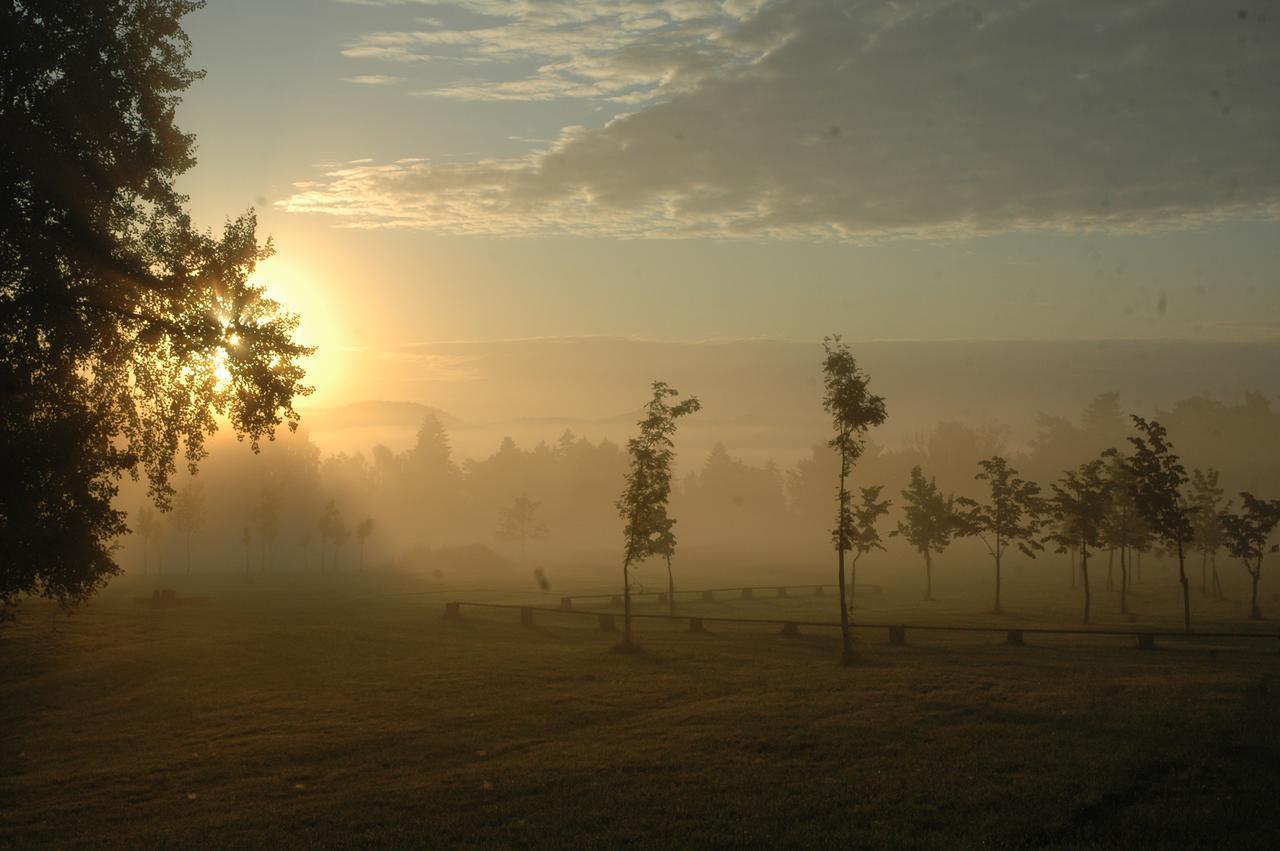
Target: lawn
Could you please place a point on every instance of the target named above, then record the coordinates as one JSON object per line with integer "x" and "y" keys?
{"x": 354, "y": 716}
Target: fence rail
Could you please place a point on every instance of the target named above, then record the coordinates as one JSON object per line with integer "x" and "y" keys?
{"x": 707, "y": 595}
{"x": 897, "y": 631}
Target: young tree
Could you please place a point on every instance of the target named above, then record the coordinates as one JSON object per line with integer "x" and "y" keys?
{"x": 865, "y": 536}
{"x": 267, "y": 519}
{"x": 363, "y": 530}
{"x": 1159, "y": 479}
{"x": 518, "y": 522}
{"x": 1079, "y": 503}
{"x": 1122, "y": 525}
{"x": 928, "y": 521}
{"x": 328, "y": 525}
{"x": 341, "y": 534}
{"x": 148, "y": 527}
{"x": 643, "y": 504}
{"x": 125, "y": 331}
{"x": 1207, "y": 498}
{"x": 853, "y": 409}
{"x": 1011, "y": 518}
{"x": 1246, "y": 536}
{"x": 188, "y": 514}
{"x": 664, "y": 545}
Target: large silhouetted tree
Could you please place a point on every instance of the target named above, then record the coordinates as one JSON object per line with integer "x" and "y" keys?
{"x": 1079, "y": 503}
{"x": 1247, "y": 534}
{"x": 124, "y": 331}
{"x": 1012, "y": 516}
{"x": 853, "y": 409}
{"x": 1159, "y": 481}
{"x": 928, "y": 521}
{"x": 643, "y": 504}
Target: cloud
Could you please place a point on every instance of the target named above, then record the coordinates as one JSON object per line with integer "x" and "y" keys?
{"x": 803, "y": 118}
{"x": 373, "y": 80}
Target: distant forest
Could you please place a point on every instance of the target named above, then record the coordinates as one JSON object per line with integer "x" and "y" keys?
{"x": 288, "y": 508}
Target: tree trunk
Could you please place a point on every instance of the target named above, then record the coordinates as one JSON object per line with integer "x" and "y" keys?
{"x": 1111, "y": 566}
{"x": 1124, "y": 584}
{"x": 997, "y": 609}
{"x": 1084, "y": 576}
{"x": 1072, "y": 553}
{"x": 1255, "y": 613}
{"x": 188, "y": 554}
{"x": 671, "y": 589}
{"x": 928, "y": 575}
{"x": 846, "y": 646}
{"x": 626, "y": 603}
{"x": 1186, "y": 589}
{"x": 1204, "y": 572}
{"x": 1217, "y": 583}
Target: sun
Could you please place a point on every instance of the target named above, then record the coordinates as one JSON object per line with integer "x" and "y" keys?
{"x": 309, "y": 293}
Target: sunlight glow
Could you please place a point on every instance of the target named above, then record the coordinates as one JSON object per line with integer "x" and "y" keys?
{"x": 306, "y": 291}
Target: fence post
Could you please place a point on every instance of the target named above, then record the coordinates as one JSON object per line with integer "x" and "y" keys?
{"x": 1014, "y": 638}
{"x": 1146, "y": 641}
{"x": 452, "y": 612}
{"x": 606, "y": 623}
{"x": 790, "y": 628}
{"x": 708, "y": 596}
{"x": 897, "y": 635}
{"x": 566, "y": 602}
{"x": 526, "y": 616}
{"x": 695, "y": 625}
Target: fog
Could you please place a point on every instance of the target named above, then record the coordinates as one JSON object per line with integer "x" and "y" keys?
{"x": 639, "y": 423}
{"x": 753, "y": 496}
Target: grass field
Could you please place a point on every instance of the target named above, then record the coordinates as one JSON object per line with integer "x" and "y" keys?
{"x": 348, "y": 715}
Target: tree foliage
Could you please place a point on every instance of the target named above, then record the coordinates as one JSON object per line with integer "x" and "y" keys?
{"x": 1012, "y": 516}
{"x": 647, "y": 529}
{"x": 124, "y": 331}
{"x": 1159, "y": 483}
{"x": 853, "y": 409}
{"x": 928, "y": 521}
{"x": 519, "y": 523}
{"x": 1079, "y": 503}
{"x": 1247, "y": 534}
{"x": 1206, "y": 525}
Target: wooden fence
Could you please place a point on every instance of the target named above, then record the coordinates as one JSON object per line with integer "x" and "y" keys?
{"x": 897, "y": 632}
{"x": 708, "y": 595}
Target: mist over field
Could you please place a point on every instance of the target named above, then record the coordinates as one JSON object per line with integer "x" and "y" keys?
{"x": 548, "y": 420}
{"x": 639, "y": 424}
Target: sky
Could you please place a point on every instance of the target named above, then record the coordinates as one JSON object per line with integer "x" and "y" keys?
{"x": 691, "y": 171}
